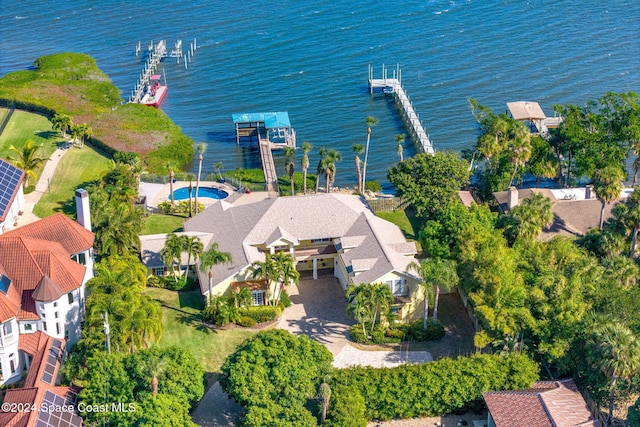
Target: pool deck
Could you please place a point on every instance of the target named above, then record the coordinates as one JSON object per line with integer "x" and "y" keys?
{"x": 158, "y": 193}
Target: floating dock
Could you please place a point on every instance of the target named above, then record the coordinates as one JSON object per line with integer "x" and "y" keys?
{"x": 393, "y": 86}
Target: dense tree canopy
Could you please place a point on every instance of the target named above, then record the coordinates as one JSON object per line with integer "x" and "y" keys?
{"x": 429, "y": 182}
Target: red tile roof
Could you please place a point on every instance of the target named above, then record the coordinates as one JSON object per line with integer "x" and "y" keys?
{"x": 9, "y": 303}
{"x": 31, "y": 343}
{"x": 58, "y": 228}
{"x": 546, "y": 404}
{"x": 28, "y": 309}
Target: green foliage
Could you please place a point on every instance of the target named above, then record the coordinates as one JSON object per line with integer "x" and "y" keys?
{"x": 276, "y": 372}
{"x": 347, "y": 408}
{"x": 429, "y": 182}
{"x": 261, "y": 313}
{"x": 222, "y": 310}
{"x": 246, "y": 322}
{"x": 163, "y": 410}
{"x": 434, "y": 388}
{"x": 284, "y": 299}
{"x": 415, "y": 331}
{"x": 166, "y": 282}
{"x": 633, "y": 416}
{"x": 526, "y": 221}
{"x": 373, "y": 186}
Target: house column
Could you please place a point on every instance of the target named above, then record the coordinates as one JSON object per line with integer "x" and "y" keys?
{"x": 272, "y": 250}
{"x": 26, "y": 361}
{"x": 291, "y": 249}
{"x": 315, "y": 268}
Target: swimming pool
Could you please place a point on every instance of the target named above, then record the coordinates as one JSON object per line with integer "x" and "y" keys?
{"x": 212, "y": 193}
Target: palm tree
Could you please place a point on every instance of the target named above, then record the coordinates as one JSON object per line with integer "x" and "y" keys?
{"x": 304, "y": 163}
{"x": 219, "y": 168}
{"x": 193, "y": 246}
{"x": 530, "y": 217}
{"x": 400, "y": 140}
{"x": 142, "y": 325}
{"x": 333, "y": 156}
{"x": 320, "y": 168}
{"x": 26, "y": 160}
{"x": 61, "y": 122}
{"x": 359, "y": 304}
{"x": 371, "y": 121}
{"x": 615, "y": 350}
{"x": 212, "y": 257}
{"x": 121, "y": 236}
{"x": 519, "y": 145}
{"x": 171, "y": 252}
{"x": 357, "y": 150}
{"x": 381, "y": 299}
{"x": 436, "y": 273}
{"x": 286, "y": 273}
{"x": 201, "y": 149}
{"x": 155, "y": 366}
{"x": 82, "y": 131}
{"x": 290, "y": 166}
{"x": 170, "y": 166}
{"x": 607, "y": 185}
{"x": 632, "y": 217}
{"x": 243, "y": 297}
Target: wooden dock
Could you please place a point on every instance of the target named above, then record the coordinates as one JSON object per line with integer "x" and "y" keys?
{"x": 268, "y": 167}
{"x": 156, "y": 53}
{"x": 393, "y": 86}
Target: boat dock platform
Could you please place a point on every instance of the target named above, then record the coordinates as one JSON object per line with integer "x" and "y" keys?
{"x": 393, "y": 86}
{"x": 156, "y": 53}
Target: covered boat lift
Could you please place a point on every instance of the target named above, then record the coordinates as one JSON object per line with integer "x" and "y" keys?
{"x": 274, "y": 127}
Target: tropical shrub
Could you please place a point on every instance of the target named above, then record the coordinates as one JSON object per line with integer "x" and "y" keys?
{"x": 261, "y": 313}
{"x": 373, "y": 186}
{"x": 415, "y": 331}
{"x": 246, "y": 321}
{"x": 347, "y": 408}
{"x": 284, "y": 299}
{"x": 434, "y": 388}
{"x": 222, "y": 311}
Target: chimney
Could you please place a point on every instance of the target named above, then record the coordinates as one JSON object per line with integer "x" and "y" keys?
{"x": 82, "y": 208}
{"x": 512, "y": 197}
{"x": 588, "y": 192}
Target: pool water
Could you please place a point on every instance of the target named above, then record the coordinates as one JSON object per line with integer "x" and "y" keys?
{"x": 212, "y": 193}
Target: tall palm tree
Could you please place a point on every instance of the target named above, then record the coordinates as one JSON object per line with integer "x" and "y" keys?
{"x": 320, "y": 168}
{"x": 27, "y": 160}
{"x": 81, "y": 131}
{"x": 371, "y": 121}
{"x": 194, "y": 247}
{"x": 359, "y": 304}
{"x": 267, "y": 270}
{"x": 201, "y": 149}
{"x": 519, "y": 145}
{"x": 290, "y": 166}
{"x": 155, "y": 366}
{"x": 142, "y": 325}
{"x": 436, "y": 273}
{"x": 286, "y": 273}
{"x": 615, "y": 350}
{"x": 400, "y": 140}
{"x": 170, "y": 166}
{"x": 219, "y": 168}
{"x": 304, "y": 163}
{"x": 212, "y": 257}
{"x": 607, "y": 185}
{"x": 171, "y": 252}
{"x": 333, "y": 156}
{"x": 243, "y": 297}
{"x": 632, "y": 217}
{"x": 381, "y": 299}
{"x": 530, "y": 217}
{"x": 61, "y": 122}
{"x": 121, "y": 236}
{"x": 357, "y": 150}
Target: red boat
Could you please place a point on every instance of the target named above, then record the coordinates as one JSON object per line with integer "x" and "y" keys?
{"x": 155, "y": 93}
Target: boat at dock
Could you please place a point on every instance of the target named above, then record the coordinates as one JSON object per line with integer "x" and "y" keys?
{"x": 155, "y": 92}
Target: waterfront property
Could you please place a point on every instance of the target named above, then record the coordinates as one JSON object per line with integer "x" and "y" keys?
{"x": 11, "y": 194}
{"x": 335, "y": 233}
{"x": 44, "y": 267}
{"x": 532, "y": 115}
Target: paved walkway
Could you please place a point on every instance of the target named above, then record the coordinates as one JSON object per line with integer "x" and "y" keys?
{"x": 351, "y": 356}
{"x": 31, "y": 199}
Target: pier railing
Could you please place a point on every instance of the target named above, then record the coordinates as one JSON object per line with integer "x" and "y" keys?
{"x": 408, "y": 113}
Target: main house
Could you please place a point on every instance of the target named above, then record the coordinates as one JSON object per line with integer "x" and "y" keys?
{"x": 43, "y": 270}
{"x": 325, "y": 233}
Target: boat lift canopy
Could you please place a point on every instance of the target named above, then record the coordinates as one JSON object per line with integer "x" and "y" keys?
{"x": 269, "y": 120}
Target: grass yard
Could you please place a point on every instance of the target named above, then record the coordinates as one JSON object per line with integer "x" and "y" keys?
{"x": 183, "y": 326}
{"x": 410, "y": 225}
{"x": 24, "y": 126}
{"x": 78, "y": 167}
{"x": 157, "y": 224}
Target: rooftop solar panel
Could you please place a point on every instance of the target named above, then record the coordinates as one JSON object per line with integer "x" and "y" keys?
{"x": 9, "y": 181}
{"x": 5, "y": 282}
{"x": 51, "y": 363}
{"x": 57, "y": 418}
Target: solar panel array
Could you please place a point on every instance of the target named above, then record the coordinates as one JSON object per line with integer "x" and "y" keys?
{"x": 65, "y": 418}
{"x": 5, "y": 282}
{"x": 52, "y": 360}
{"x": 9, "y": 179}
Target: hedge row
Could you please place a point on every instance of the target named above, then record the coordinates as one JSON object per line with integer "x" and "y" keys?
{"x": 401, "y": 332}
{"x": 261, "y": 313}
{"x": 435, "y": 388}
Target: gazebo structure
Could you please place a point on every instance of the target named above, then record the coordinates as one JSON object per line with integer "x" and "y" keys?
{"x": 274, "y": 127}
{"x": 532, "y": 114}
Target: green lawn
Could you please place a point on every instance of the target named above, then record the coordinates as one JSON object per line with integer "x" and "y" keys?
{"x": 183, "y": 326}
{"x": 78, "y": 167}
{"x": 157, "y": 224}
{"x": 410, "y": 225}
{"x": 24, "y": 126}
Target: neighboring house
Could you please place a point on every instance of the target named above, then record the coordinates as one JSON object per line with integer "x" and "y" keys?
{"x": 11, "y": 195}
{"x": 324, "y": 232}
{"x": 43, "y": 270}
{"x": 545, "y": 404}
{"x": 575, "y": 210}
{"x": 53, "y": 403}
{"x": 151, "y": 245}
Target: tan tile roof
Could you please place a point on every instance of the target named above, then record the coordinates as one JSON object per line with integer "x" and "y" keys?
{"x": 58, "y": 228}
{"x": 525, "y": 110}
{"x": 546, "y": 404}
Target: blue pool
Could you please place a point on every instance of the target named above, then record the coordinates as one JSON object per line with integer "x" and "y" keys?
{"x": 212, "y": 193}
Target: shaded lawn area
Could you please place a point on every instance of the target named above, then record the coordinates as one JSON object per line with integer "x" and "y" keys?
{"x": 77, "y": 168}
{"x": 183, "y": 326}
{"x": 162, "y": 224}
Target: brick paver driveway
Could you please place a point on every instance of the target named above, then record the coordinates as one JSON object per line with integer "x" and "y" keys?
{"x": 319, "y": 310}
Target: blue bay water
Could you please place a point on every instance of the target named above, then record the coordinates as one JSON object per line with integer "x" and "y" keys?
{"x": 310, "y": 59}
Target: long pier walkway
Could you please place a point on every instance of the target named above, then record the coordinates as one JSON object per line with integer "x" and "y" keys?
{"x": 268, "y": 167}
{"x": 408, "y": 113}
{"x": 156, "y": 53}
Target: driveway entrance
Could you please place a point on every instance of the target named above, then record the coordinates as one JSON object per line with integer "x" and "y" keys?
{"x": 319, "y": 310}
